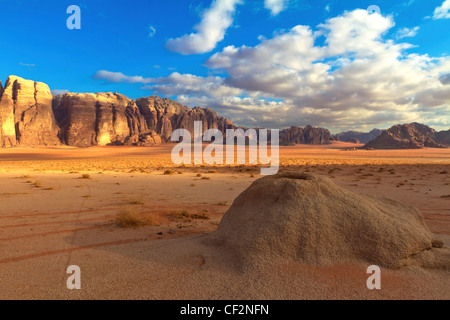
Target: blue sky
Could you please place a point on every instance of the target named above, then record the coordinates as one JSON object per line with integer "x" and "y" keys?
{"x": 271, "y": 63}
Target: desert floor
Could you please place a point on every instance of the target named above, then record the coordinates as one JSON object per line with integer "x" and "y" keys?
{"x": 58, "y": 207}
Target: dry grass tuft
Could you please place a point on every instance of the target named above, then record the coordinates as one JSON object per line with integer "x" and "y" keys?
{"x": 130, "y": 218}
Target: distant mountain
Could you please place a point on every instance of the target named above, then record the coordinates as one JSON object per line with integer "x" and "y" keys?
{"x": 358, "y": 137}
{"x": 306, "y": 135}
{"x": 408, "y": 136}
{"x": 443, "y": 137}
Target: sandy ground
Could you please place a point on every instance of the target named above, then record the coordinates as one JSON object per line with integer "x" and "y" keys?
{"x": 51, "y": 217}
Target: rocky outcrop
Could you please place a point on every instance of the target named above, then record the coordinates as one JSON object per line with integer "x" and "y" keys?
{"x": 165, "y": 115}
{"x": 407, "y": 136}
{"x": 358, "y": 137}
{"x": 26, "y": 117}
{"x": 307, "y": 135}
{"x": 101, "y": 119}
{"x": 443, "y": 137}
{"x": 299, "y": 217}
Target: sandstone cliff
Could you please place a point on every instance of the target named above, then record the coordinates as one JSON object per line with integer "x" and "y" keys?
{"x": 26, "y": 117}
{"x": 307, "y": 135}
{"x": 165, "y": 115}
{"x": 407, "y": 136}
{"x": 88, "y": 119}
{"x": 355, "y": 136}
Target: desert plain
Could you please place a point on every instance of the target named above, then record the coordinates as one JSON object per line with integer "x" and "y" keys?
{"x": 134, "y": 223}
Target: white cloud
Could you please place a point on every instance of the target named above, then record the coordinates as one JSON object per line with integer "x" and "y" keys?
{"x": 210, "y": 31}
{"x": 30, "y": 65}
{"x": 151, "y": 31}
{"x": 355, "y": 78}
{"x": 188, "y": 84}
{"x": 407, "y": 32}
{"x": 443, "y": 11}
{"x": 120, "y": 77}
{"x": 275, "y": 6}
{"x": 57, "y": 92}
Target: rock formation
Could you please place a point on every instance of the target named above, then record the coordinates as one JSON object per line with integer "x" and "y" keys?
{"x": 443, "y": 137}
{"x": 407, "y": 136}
{"x": 165, "y": 115}
{"x": 362, "y": 137}
{"x": 26, "y": 117}
{"x": 101, "y": 119}
{"x": 307, "y": 135}
{"x": 306, "y": 218}
{"x": 31, "y": 116}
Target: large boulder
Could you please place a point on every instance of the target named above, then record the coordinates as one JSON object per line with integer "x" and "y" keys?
{"x": 309, "y": 219}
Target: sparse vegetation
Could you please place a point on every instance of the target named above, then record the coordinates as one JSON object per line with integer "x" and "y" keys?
{"x": 130, "y": 218}
{"x": 85, "y": 176}
{"x": 184, "y": 214}
{"x": 169, "y": 172}
{"x": 137, "y": 201}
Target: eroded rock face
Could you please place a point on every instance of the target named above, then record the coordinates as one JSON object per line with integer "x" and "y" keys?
{"x": 307, "y": 135}
{"x": 101, "y": 119}
{"x": 361, "y": 137}
{"x": 26, "y": 116}
{"x": 407, "y": 136}
{"x": 165, "y": 115}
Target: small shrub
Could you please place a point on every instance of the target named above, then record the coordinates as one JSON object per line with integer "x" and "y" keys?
{"x": 130, "y": 218}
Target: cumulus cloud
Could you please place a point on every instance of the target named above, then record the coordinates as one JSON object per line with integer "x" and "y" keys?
{"x": 443, "y": 11}
{"x": 407, "y": 32}
{"x": 275, "y": 6}
{"x": 344, "y": 74}
{"x": 120, "y": 77}
{"x": 210, "y": 31}
{"x": 356, "y": 79}
{"x": 191, "y": 85}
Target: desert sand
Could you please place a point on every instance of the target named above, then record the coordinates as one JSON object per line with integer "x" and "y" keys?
{"x": 59, "y": 207}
